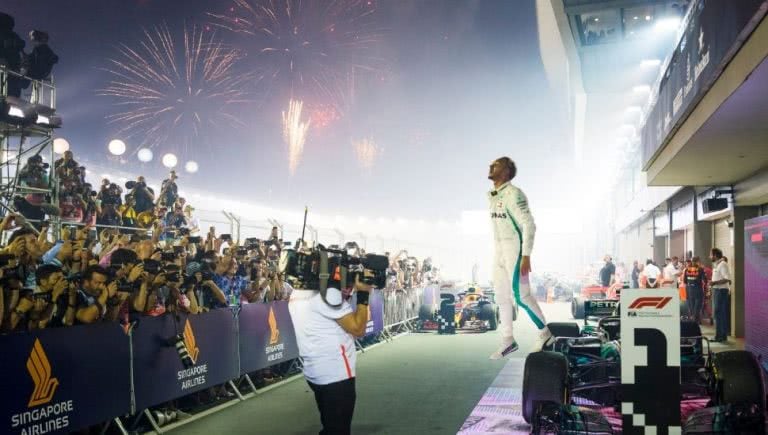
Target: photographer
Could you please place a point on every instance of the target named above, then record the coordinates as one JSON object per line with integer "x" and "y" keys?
{"x": 169, "y": 191}
{"x": 326, "y": 339}
{"x": 34, "y": 174}
{"x": 142, "y": 194}
{"x": 207, "y": 294}
{"x": 96, "y": 299}
{"x": 47, "y": 305}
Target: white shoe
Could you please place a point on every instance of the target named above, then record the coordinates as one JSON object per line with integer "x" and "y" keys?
{"x": 544, "y": 336}
{"x": 506, "y": 348}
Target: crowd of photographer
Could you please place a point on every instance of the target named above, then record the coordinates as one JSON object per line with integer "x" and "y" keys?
{"x": 120, "y": 277}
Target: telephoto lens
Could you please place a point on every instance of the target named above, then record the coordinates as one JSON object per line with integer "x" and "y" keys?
{"x": 181, "y": 349}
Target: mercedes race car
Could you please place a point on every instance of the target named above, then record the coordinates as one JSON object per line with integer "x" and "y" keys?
{"x": 574, "y": 385}
{"x": 594, "y": 294}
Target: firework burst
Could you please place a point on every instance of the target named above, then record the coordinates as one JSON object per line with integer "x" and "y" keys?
{"x": 294, "y": 133}
{"x": 367, "y": 152}
{"x": 309, "y": 49}
{"x": 177, "y": 91}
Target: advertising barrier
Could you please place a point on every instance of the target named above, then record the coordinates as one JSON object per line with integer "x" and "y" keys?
{"x": 60, "y": 378}
{"x": 266, "y": 336}
{"x": 56, "y": 380}
{"x": 160, "y": 376}
{"x": 756, "y": 288}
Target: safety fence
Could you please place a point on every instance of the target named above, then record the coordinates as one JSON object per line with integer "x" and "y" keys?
{"x": 66, "y": 379}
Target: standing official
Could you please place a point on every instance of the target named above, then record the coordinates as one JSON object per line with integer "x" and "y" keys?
{"x": 513, "y": 233}
{"x": 721, "y": 295}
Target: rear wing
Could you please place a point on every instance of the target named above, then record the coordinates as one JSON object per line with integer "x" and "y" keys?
{"x": 599, "y": 308}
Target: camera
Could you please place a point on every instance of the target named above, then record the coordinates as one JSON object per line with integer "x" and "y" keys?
{"x": 177, "y": 342}
{"x": 152, "y": 266}
{"x": 306, "y": 267}
{"x": 168, "y": 256}
{"x": 75, "y": 278}
{"x": 227, "y": 237}
{"x": 5, "y": 259}
{"x": 130, "y": 185}
{"x": 195, "y": 239}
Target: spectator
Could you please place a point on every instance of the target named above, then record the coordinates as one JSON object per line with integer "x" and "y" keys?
{"x": 608, "y": 272}
{"x": 721, "y": 295}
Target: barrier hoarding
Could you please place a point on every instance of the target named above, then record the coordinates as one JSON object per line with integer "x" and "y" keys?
{"x": 650, "y": 360}
{"x": 756, "y": 288}
{"x": 160, "y": 376}
{"x": 56, "y": 380}
{"x": 266, "y": 336}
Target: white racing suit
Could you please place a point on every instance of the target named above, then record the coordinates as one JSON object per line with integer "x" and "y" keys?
{"x": 513, "y": 234}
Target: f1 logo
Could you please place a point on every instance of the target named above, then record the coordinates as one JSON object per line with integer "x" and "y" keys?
{"x": 650, "y": 302}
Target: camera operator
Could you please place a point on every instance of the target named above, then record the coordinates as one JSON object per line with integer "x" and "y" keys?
{"x": 11, "y": 51}
{"x": 142, "y": 194}
{"x": 326, "y": 339}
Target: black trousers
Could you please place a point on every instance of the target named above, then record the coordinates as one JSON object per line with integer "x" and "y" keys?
{"x": 721, "y": 300}
{"x": 695, "y": 297}
{"x": 336, "y": 403}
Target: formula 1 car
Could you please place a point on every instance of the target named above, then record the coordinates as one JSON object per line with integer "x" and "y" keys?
{"x": 471, "y": 309}
{"x": 574, "y": 384}
{"x": 477, "y": 310}
{"x": 594, "y": 293}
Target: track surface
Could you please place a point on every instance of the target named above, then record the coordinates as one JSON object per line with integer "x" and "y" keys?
{"x": 418, "y": 384}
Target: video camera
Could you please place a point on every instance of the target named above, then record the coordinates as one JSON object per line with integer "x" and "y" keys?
{"x": 333, "y": 266}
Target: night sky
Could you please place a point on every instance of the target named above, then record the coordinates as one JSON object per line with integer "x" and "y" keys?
{"x": 457, "y": 84}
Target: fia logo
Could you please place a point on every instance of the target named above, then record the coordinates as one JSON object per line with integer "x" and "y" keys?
{"x": 39, "y": 369}
{"x": 274, "y": 333}
{"x": 190, "y": 342}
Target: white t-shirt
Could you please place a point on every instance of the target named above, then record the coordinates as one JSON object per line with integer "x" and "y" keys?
{"x": 651, "y": 271}
{"x": 670, "y": 272}
{"x": 719, "y": 273}
{"x": 328, "y": 352}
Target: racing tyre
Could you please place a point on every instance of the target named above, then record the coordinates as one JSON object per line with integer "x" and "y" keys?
{"x": 544, "y": 380}
{"x": 488, "y": 312}
{"x": 426, "y": 313}
{"x": 738, "y": 379}
{"x": 577, "y": 308}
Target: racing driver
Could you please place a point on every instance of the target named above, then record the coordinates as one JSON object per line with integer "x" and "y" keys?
{"x": 513, "y": 233}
